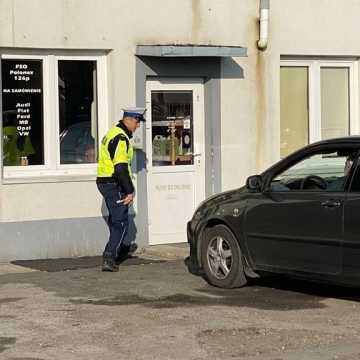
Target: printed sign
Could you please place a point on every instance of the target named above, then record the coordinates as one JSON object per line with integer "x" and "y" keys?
{"x": 187, "y": 124}
{"x": 22, "y": 96}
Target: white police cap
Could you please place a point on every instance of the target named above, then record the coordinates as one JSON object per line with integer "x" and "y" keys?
{"x": 135, "y": 112}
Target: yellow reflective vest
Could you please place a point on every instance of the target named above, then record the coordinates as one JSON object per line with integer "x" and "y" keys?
{"x": 110, "y": 156}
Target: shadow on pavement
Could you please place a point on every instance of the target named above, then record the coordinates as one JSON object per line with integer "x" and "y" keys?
{"x": 66, "y": 264}
{"x": 169, "y": 285}
{"x": 5, "y": 342}
{"x": 307, "y": 288}
{"x": 230, "y": 298}
{"x": 9, "y": 300}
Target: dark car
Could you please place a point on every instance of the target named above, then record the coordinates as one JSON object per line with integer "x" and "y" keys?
{"x": 301, "y": 217}
{"x": 77, "y": 145}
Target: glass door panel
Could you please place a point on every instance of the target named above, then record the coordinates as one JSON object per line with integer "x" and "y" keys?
{"x": 172, "y": 128}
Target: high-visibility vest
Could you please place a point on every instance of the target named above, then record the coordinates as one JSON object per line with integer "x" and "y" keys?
{"x": 122, "y": 154}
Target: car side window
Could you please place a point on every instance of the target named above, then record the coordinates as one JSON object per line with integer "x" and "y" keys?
{"x": 319, "y": 172}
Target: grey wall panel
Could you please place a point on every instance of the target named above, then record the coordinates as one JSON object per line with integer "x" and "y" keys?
{"x": 54, "y": 238}
{"x": 212, "y": 136}
{"x": 264, "y": 4}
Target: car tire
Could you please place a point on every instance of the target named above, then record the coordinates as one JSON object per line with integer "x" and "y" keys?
{"x": 221, "y": 258}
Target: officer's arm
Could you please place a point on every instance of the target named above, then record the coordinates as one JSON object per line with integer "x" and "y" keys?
{"x": 121, "y": 166}
{"x": 122, "y": 176}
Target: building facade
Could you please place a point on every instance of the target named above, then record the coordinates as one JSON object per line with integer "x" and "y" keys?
{"x": 219, "y": 108}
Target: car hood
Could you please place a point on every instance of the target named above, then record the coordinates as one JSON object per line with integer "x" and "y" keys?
{"x": 221, "y": 197}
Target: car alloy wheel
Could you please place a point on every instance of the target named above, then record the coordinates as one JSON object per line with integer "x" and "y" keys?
{"x": 219, "y": 257}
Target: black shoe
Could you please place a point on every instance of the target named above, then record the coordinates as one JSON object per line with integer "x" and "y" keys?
{"x": 125, "y": 252}
{"x": 109, "y": 265}
{"x": 132, "y": 248}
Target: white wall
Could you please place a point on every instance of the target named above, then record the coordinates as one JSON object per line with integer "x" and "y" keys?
{"x": 250, "y": 114}
{"x": 250, "y": 107}
{"x": 321, "y": 28}
{"x": 118, "y": 26}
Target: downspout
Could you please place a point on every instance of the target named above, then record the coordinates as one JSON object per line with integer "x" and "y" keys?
{"x": 264, "y": 24}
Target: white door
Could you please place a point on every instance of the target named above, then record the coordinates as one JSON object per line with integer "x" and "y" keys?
{"x": 175, "y": 156}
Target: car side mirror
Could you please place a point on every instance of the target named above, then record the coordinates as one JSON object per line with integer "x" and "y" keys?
{"x": 254, "y": 183}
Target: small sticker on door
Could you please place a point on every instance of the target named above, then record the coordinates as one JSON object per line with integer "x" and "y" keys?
{"x": 187, "y": 124}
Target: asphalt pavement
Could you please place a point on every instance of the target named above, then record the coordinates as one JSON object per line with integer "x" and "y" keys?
{"x": 155, "y": 309}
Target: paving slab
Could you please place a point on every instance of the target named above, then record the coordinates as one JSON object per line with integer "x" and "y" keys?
{"x": 167, "y": 251}
{"x": 8, "y": 268}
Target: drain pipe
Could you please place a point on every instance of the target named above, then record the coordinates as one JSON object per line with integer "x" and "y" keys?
{"x": 264, "y": 24}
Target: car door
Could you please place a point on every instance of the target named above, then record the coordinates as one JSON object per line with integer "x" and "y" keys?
{"x": 296, "y": 225}
{"x": 351, "y": 246}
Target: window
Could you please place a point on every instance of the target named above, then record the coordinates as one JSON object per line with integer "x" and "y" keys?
{"x": 77, "y": 111}
{"x": 172, "y": 128}
{"x": 23, "y": 115}
{"x": 294, "y": 109}
{"x": 54, "y": 108}
{"x": 316, "y": 102}
{"x": 325, "y": 171}
{"x": 335, "y": 104}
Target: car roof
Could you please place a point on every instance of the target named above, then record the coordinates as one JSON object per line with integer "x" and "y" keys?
{"x": 342, "y": 140}
{"x": 346, "y": 140}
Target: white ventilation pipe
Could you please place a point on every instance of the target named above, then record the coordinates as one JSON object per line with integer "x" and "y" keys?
{"x": 264, "y": 24}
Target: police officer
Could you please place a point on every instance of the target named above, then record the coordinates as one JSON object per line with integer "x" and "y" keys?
{"x": 114, "y": 182}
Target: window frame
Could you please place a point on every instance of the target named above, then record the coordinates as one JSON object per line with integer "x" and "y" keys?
{"x": 314, "y": 92}
{"x": 52, "y": 167}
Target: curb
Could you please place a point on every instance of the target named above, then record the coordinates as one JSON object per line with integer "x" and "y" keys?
{"x": 165, "y": 252}
{"x": 8, "y": 268}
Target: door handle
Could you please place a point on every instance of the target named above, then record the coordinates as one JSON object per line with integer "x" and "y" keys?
{"x": 331, "y": 203}
{"x": 196, "y": 155}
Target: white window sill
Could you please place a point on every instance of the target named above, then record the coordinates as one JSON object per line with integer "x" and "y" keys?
{"x": 48, "y": 177}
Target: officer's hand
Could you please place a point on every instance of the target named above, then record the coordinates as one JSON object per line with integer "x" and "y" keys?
{"x": 128, "y": 199}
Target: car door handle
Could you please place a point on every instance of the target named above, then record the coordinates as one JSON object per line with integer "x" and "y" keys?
{"x": 331, "y": 203}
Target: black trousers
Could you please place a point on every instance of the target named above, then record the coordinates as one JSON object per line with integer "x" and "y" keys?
{"x": 118, "y": 218}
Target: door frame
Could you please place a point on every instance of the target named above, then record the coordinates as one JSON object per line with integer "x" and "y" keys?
{"x": 196, "y": 85}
